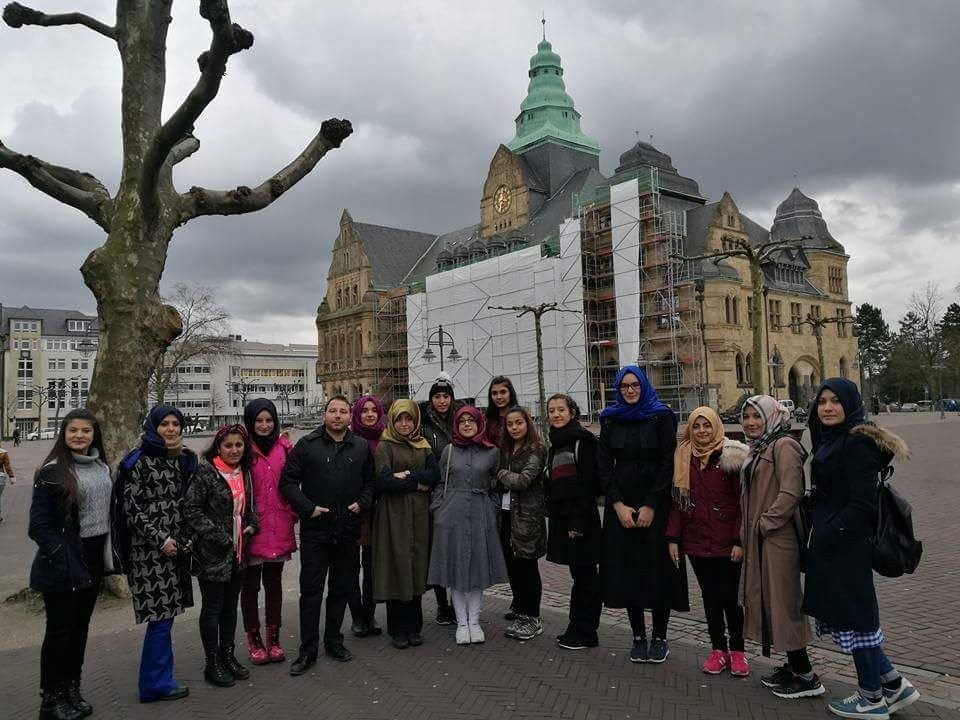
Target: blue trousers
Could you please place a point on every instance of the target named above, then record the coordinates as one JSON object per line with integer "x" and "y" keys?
{"x": 873, "y": 668}
{"x": 156, "y": 661}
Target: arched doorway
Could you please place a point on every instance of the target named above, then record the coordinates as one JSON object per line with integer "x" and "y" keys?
{"x": 803, "y": 380}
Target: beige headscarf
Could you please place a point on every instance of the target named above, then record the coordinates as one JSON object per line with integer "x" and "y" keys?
{"x": 415, "y": 439}
{"x": 689, "y": 448}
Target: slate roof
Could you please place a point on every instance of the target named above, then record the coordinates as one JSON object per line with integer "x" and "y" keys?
{"x": 427, "y": 263}
{"x": 53, "y": 322}
{"x": 392, "y": 251}
{"x": 799, "y": 216}
{"x": 644, "y": 154}
{"x": 695, "y": 243}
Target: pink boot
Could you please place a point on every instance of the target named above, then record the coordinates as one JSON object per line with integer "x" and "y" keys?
{"x": 738, "y": 664}
{"x": 258, "y": 653}
{"x": 274, "y": 650}
{"x": 716, "y": 663}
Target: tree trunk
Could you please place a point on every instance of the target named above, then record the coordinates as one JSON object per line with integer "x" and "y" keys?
{"x": 542, "y": 419}
{"x": 759, "y": 313}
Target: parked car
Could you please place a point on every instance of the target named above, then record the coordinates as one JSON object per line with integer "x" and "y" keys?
{"x": 951, "y": 405}
{"x": 48, "y": 434}
{"x": 925, "y": 405}
{"x": 789, "y": 405}
{"x": 909, "y": 407}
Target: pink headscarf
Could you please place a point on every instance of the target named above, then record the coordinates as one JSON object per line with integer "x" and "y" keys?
{"x": 480, "y": 438}
{"x": 370, "y": 433}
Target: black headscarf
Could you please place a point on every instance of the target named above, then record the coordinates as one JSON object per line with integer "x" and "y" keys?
{"x": 822, "y": 437}
{"x": 150, "y": 441}
{"x": 250, "y": 412}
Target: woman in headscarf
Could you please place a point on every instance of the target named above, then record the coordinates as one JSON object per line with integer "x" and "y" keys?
{"x": 367, "y": 419}
{"x": 406, "y": 472}
{"x": 219, "y": 511}
{"x": 156, "y": 476}
{"x": 849, "y": 454}
{"x": 704, "y": 526}
{"x": 466, "y": 555}
{"x": 771, "y": 594}
{"x": 275, "y": 543}
{"x": 573, "y": 535}
{"x": 638, "y": 435}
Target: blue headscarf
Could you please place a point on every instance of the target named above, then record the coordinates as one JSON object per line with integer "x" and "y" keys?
{"x": 150, "y": 441}
{"x": 822, "y": 438}
{"x": 646, "y": 407}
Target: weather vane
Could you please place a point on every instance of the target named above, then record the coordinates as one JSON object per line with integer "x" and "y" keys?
{"x": 543, "y": 21}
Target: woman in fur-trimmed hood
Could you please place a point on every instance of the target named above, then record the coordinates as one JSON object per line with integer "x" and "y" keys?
{"x": 704, "y": 525}
{"x": 848, "y": 457}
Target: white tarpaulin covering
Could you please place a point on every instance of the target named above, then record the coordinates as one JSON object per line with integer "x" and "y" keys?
{"x": 625, "y": 236}
{"x": 497, "y": 342}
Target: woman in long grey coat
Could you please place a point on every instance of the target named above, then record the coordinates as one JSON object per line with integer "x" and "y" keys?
{"x": 466, "y": 555}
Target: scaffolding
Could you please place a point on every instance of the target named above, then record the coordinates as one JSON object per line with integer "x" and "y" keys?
{"x": 390, "y": 336}
{"x": 670, "y": 345}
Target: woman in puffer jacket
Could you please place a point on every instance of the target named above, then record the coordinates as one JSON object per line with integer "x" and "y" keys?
{"x": 704, "y": 525}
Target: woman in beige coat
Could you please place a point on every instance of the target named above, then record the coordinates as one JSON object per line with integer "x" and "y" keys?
{"x": 771, "y": 588}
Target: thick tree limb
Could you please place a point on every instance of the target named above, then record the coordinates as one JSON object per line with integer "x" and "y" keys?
{"x": 182, "y": 150}
{"x": 17, "y": 15}
{"x": 200, "y": 201}
{"x": 228, "y": 38}
{"x": 71, "y": 187}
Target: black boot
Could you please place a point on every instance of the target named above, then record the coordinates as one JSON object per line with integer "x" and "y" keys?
{"x": 76, "y": 699}
{"x": 232, "y": 664}
{"x": 372, "y": 625}
{"x": 56, "y": 705}
{"x": 216, "y": 672}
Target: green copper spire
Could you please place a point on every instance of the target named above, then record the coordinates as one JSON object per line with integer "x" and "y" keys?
{"x": 548, "y": 114}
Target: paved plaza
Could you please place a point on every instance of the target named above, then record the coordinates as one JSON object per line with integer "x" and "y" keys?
{"x": 504, "y": 678}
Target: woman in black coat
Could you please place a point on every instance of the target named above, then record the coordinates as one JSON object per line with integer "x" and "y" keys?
{"x": 638, "y": 436}
{"x": 70, "y": 522}
{"x": 220, "y": 516}
{"x": 849, "y": 454}
{"x": 573, "y": 535}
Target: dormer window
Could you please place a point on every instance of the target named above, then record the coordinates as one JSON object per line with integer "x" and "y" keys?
{"x": 77, "y": 325}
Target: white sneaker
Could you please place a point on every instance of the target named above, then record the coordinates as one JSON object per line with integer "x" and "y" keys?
{"x": 476, "y": 634}
{"x": 464, "y": 636}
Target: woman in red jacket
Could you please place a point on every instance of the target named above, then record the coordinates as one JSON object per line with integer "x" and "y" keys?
{"x": 704, "y": 525}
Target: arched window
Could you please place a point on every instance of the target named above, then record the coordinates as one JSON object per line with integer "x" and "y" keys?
{"x": 844, "y": 370}
{"x": 740, "y": 370}
{"x": 748, "y": 369}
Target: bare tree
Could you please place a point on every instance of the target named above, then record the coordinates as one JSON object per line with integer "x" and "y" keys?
{"x": 756, "y": 257}
{"x": 140, "y": 218}
{"x": 204, "y": 335}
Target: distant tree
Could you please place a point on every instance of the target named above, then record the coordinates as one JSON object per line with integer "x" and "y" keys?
{"x": 875, "y": 341}
{"x": 140, "y": 217}
{"x": 950, "y": 339}
{"x": 205, "y": 334}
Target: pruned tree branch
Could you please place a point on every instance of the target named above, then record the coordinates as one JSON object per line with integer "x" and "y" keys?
{"x": 71, "y": 187}
{"x": 182, "y": 150}
{"x": 16, "y": 15}
{"x": 228, "y": 38}
{"x": 201, "y": 201}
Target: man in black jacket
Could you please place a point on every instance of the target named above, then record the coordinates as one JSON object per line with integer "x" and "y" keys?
{"x": 328, "y": 480}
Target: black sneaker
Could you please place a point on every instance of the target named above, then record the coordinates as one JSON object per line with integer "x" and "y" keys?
{"x": 779, "y": 676}
{"x": 639, "y": 653}
{"x": 574, "y": 641}
{"x": 659, "y": 650}
{"x": 337, "y": 651}
{"x": 446, "y": 616}
{"x": 797, "y": 687}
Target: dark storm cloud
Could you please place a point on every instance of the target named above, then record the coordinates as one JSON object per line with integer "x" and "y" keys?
{"x": 857, "y": 99}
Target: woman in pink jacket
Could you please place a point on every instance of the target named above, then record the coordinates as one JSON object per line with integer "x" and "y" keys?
{"x": 275, "y": 543}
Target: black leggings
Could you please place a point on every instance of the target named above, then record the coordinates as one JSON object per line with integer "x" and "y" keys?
{"x": 719, "y": 579}
{"x": 523, "y": 573}
{"x": 218, "y": 612}
{"x": 68, "y": 622}
{"x": 661, "y": 618}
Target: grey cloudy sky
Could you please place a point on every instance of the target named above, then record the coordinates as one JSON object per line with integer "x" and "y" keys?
{"x": 858, "y": 99}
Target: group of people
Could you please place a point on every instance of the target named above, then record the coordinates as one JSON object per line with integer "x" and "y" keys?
{"x": 393, "y": 502}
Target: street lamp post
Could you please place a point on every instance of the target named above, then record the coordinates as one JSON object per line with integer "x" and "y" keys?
{"x": 443, "y": 340}
{"x": 698, "y": 287}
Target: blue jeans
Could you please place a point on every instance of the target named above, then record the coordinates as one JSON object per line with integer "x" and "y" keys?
{"x": 873, "y": 669}
{"x": 156, "y": 661}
